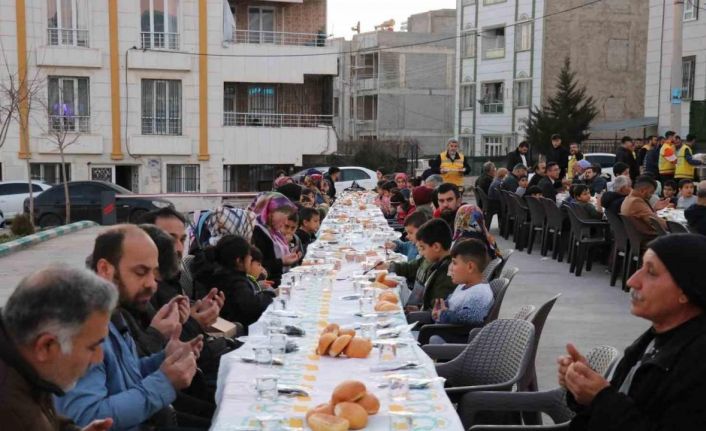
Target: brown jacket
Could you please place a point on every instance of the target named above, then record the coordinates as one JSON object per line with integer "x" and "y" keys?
{"x": 638, "y": 208}
{"x": 25, "y": 399}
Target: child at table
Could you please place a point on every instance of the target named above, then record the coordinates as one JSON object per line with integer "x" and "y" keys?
{"x": 411, "y": 225}
{"x": 669, "y": 191}
{"x": 696, "y": 214}
{"x": 309, "y": 223}
{"x": 582, "y": 199}
{"x": 686, "y": 194}
{"x": 256, "y": 272}
{"x": 470, "y": 303}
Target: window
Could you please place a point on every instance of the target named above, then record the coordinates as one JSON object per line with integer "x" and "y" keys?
{"x": 261, "y": 25}
{"x": 159, "y": 24}
{"x": 183, "y": 179}
{"x": 262, "y": 98}
{"x": 688, "y": 68}
{"x": 367, "y": 66}
{"x": 15, "y": 189}
{"x": 691, "y": 10}
{"x": 492, "y": 97}
{"x": 523, "y": 93}
{"x": 161, "y": 107}
{"x": 494, "y": 43}
{"x": 353, "y": 175}
{"x": 469, "y": 45}
{"x": 490, "y": 2}
{"x": 50, "y": 173}
{"x": 468, "y": 97}
{"x": 523, "y": 36}
{"x": 69, "y": 104}
{"x": 247, "y": 178}
{"x": 66, "y": 22}
{"x": 493, "y": 146}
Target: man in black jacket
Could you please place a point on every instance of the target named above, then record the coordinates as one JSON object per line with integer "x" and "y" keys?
{"x": 519, "y": 156}
{"x": 512, "y": 180}
{"x": 659, "y": 382}
{"x": 331, "y": 177}
{"x": 558, "y": 154}
{"x": 486, "y": 178}
{"x": 626, "y": 154}
{"x": 549, "y": 183}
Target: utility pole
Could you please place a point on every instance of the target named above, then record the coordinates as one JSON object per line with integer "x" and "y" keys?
{"x": 676, "y": 78}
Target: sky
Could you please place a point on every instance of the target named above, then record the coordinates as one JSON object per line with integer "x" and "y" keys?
{"x": 344, "y": 14}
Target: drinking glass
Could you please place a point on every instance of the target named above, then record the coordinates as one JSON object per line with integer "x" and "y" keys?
{"x": 263, "y": 355}
{"x": 367, "y": 330}
{"x": 387, "y": 353}
{"x": 266, "y": 387}
{"x": 366, "y": 305}
{"x": 398, "y": 388}
{"x": 278, "y": 345}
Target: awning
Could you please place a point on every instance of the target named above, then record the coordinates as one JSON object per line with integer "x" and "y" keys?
{"x": 635, "y": 123}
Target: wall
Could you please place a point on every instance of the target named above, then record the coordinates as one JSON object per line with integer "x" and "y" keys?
{"x": 306, "y": 17}
{"x": 437, "y": 21}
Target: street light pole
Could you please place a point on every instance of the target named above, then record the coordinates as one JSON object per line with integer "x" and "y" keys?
{"x": 676, "y": 77}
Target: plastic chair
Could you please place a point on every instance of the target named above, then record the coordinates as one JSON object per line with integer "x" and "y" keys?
{"x": 620, "y": 249}
{"x": 638, "y": 244}
{"x": 509, "y": 273}
{"x": 555, "y": 228}
{"x": 507, "y": 218}
{"x": 537, "y": 222}
{"x": 456, "y": 333}
{"x": 529, "y": 381}
{"x": 448, "y": 351}
{"x": 657, "y": 226}
{"x": 505, "y": 256}
{"x": 676, "y": 227}
{"x": 521, "y": 223}
{"x": 552, "y": 403}
{"x": 489, "y": 270}
{"x": 583, "y": 240}
{"x": 490, "y": 207}
{"x": 496, "y": 359}
{"x": 479, "y": 201}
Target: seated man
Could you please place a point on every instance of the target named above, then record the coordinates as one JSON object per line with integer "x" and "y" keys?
{"x": 612, "y": 201}
{"x": 637, "y": 206}
{"x": 51, "y": 330}
{"x": 496, "y": 185}
{"x": 551, "y": 182}
{"x": 512, "y": 180}
{"x": 470, "y": 303}
{"x": 620, "y": 169}
{"x": 593, "y": 179}
{"x": 696, "y": 214}
{"x": 659, "y": 382}
{"x": 133, "y": 391}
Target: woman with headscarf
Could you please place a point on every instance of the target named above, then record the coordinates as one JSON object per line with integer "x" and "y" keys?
{"x": 272, "y": 210}
{"x": 470, "y": 223}
{"x": 280, "y": 181}
{"x": 402, "y": 183}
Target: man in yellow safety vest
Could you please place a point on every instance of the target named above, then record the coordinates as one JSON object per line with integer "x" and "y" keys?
{"x": 667, "y": 157}
{"x": 685, "y": 162}
{"x": 452, "y": 164}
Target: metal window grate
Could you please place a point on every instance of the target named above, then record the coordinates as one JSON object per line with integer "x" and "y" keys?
{"x": 183, "y": 179}
{"x": 159, "y": 40}
{"x": 70, "y": 37}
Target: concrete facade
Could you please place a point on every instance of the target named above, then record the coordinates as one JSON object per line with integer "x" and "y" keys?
{"x": 659, "y": 61}
{"x": 399, "y": 85}
{"x": 606, "y": 43}
{"x": 288, "y": 64}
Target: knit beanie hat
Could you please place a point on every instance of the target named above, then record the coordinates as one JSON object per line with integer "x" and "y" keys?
{"x": 422, "y": 195}
{"x": 684, "y": 255}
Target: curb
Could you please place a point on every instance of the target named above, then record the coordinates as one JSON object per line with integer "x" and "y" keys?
{"x": 29, "y": 240}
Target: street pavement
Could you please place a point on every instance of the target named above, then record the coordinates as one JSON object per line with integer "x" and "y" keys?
{"x": 588, "y": 313}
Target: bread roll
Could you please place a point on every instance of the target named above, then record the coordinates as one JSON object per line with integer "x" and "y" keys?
{"x": 325, "y": 342}
{"x": 358, "y": 348}
{"x": 332, "y": 328}
{"x": 390, "y": 282}
{"x": 347, "y": 331}
{"x": 324, "y": 422}
{"x": 370, "y": 403}
{"x": 349, "y": 390}
{"x": 386, "y": 306}
{"x": 326, "y": 409}
{"x": 380, "y": 277}
{"x": 355, "y": 414}
{"x": 389, "y": 297}
{"x": 339, "y": 345}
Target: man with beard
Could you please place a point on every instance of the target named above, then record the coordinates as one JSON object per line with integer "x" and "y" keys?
{"x": 659, "y": 382}
{"x": 51, "y": 332}
{"x": 450, "y": 200}
{"x": 132, "y": 391}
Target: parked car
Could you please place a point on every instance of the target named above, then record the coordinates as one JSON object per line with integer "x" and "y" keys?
{"x": 85, "y": 196}
{"x": 14, "y": 193}
{"x": 365, "y": 177}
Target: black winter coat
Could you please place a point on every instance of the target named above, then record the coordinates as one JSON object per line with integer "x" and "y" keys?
{"x": 628, "y": 157}
{"x": 273, "y": 265}
{"x": 668, "y": 391}
{"x": 561, "y": 156}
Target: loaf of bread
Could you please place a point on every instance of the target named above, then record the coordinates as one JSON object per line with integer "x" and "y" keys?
{"x": 349, "y": 390}
{"x": 370, "y": 403}
{"x": 324, "y": 422}
{"x": 355, "y": 414}
{"x": 386, "y": 306}
{"x": 325, "y": 342}
{"x": 339, "y": 345}
{"x": 358, "y": 348}
{"x": 389, "y": 297}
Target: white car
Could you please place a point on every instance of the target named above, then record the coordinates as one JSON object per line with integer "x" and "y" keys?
{"x": 364, "y": 177}
{"x": 14, "y": 193}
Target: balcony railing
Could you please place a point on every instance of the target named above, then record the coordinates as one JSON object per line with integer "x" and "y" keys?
{"x": 493, "y": 107}
{"x": 67, "y": 37}
{"x": 161, "y": 126}
{"x": 279, "y": 38}
{"x": 73, "y": 123}
{"x": 151, "y": 40}
{"x": 257, "y": 119}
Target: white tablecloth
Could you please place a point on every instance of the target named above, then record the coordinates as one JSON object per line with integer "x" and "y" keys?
{"x": 237, "y": 404}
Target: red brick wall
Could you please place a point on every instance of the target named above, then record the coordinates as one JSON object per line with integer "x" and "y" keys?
{"x": 308, "y": 17}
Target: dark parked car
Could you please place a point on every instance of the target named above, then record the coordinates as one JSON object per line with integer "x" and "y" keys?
{"x": 85, "y": 196}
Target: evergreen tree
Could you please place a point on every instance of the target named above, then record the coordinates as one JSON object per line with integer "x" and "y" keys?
{"x": 569, "y": 113}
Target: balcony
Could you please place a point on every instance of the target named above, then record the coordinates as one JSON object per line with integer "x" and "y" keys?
{"x": 257, "y": 119}
{"x": 279, "y": 38}
{"x": 67, "y": 37}
{"x": 72, "y": 123}
{"x": 159, "y": 40}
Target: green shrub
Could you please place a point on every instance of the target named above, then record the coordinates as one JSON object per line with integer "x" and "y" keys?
{"x": 22, "y": 225}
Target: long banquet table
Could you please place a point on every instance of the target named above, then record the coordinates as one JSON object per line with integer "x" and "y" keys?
{"x": 319, "y": 301}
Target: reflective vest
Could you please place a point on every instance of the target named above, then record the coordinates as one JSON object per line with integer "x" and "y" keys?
{"x": 665, "y": 166}
{"x": 684, "y": 170}
{"x": 456, "y": 165}
{"x": 570, "y": 168}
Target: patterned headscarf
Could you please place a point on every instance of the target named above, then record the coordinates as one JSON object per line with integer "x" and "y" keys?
{"x": 279, "y": 182}
{"x": 263, "y": 206}
{"x": 402, "y": 176}
{"x": 236, "y": 221}
{"x": 470, "y": 223}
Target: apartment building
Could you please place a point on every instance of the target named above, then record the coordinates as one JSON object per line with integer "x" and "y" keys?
{"x": 510, "y": 52}
{"x": 658, "y": 97}
{"x": 399, "y": 85}
{"x": 170, "y": 95}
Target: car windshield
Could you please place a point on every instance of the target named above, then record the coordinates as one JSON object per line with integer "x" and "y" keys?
{"x": 605, "y": 161}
